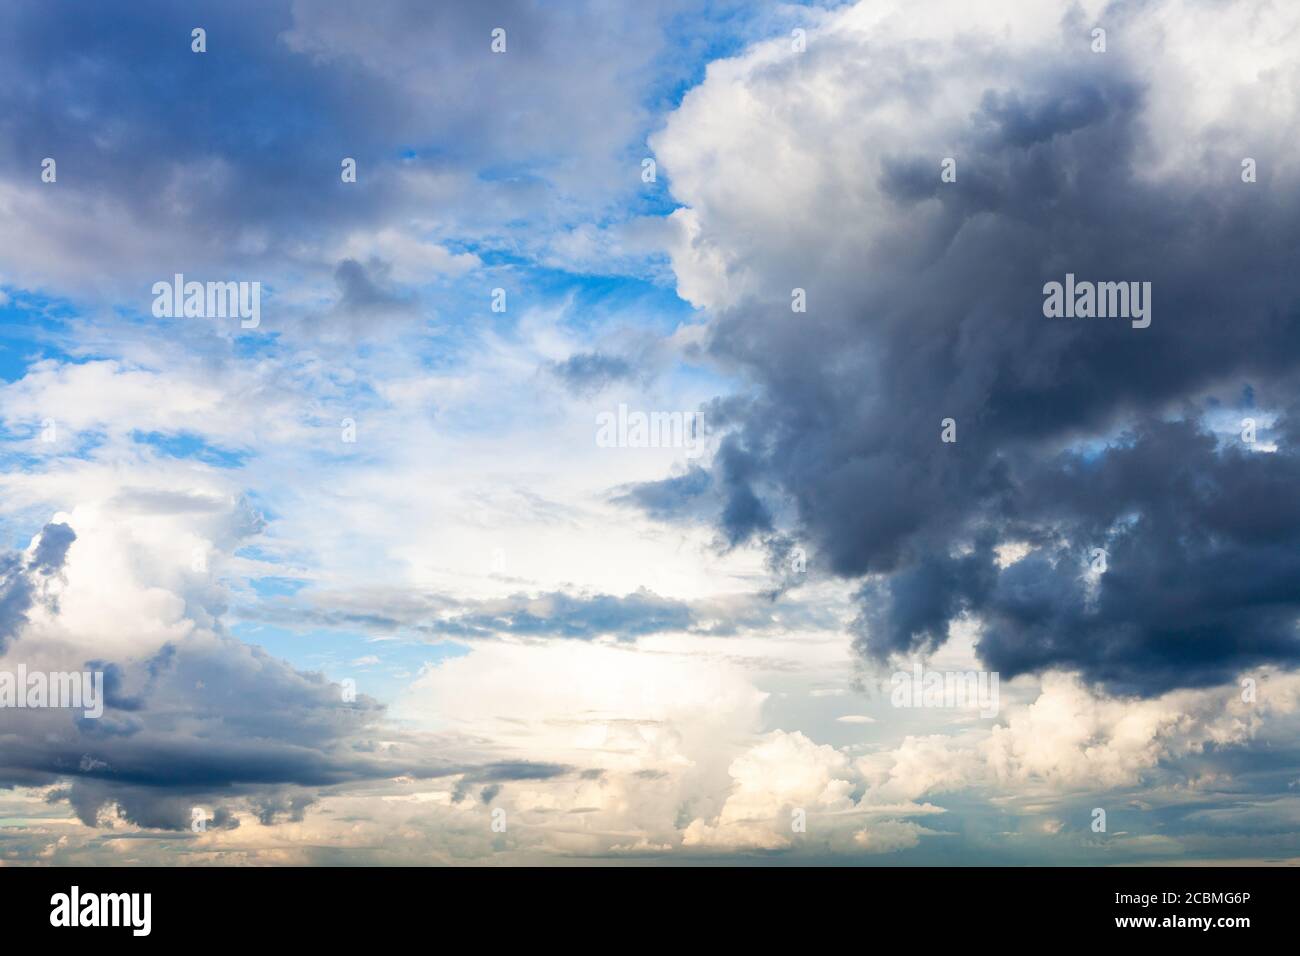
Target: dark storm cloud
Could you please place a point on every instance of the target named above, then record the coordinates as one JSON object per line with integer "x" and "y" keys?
{"x": 725, "y": 492}
{"x": 271, "y": 809}
{"x": 209, "y": 721}
{"x": 1203, "y": 564}
{"x": 203, "y": 715}
{"x": 945, "y": 321}
{"x": 743, "y": 513}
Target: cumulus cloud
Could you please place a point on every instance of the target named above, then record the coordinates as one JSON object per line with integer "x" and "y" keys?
{"x": 1070, "y": 738}
{"x": 192, "y": 717}
{"x": 784, "y": 773}
{"x": 821, "y": 171}
{"x": 787, "y": 790}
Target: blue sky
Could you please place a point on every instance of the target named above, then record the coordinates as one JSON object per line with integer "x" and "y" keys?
{"x": 396, "y": 483}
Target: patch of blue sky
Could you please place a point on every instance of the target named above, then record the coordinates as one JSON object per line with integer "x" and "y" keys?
{"x": 698, "y": 37}
{"x": 16, "y": 436}
{"x": 256, "y": 343}
{"x": 597, "y": 296}
{"x": 253, "y": 552}
{"x": 653, "y": 199}
{"x": 187, "y": 445}
{"x": 598, "y": 300}
{"x": 590, "y": 304}
{"x": 277, "y": 586}
{"x": 346, "y": 400}
{"x": 520, "y": 172}
{"x": 31, "y": 326}
{"x": 15, "y": 356}
{"x": 20, "y": 526}
{"x": 260, "y": 504}
{"x": 382, "y": 669}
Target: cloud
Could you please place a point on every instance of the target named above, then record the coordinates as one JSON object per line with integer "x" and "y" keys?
{"x": 786, "y": 791}
{"x": 1070, "y": 738}
{"x": 458, "y": 148}
{"x": 889, "y": 836}
{"x": 410, "y": 260}
{"x": 783, "y": 773}
{"x": 669, "y": 499}
{"x": 588, "y": 373}
{"x": 556, "y": 614}
{"x": 23, "y": 577}
{"x": 562, "y": 615}
{"x": 192, "y": 716}
{"x": 634, "y": 656}
{"x": 363, "y": 298}
{"x": 796, "y": 171}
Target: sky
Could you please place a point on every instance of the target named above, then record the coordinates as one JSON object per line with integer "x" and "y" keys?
{"x": 642, "y": 400}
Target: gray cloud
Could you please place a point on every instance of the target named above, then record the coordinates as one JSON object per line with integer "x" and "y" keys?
{"x": 945, "y": 320}
{"x": 553, "y": 614}
{"x": 589, "y": 373}
{"x": 453, "y": 145}
{"x": 204, "y": 721}
{"x": 22, "y": 576}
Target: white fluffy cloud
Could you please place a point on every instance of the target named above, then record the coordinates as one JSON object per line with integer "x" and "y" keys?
{"x": 1070, "y": 739}
{"x": 783, "y": 773}
{"x": 777, "y": 156}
